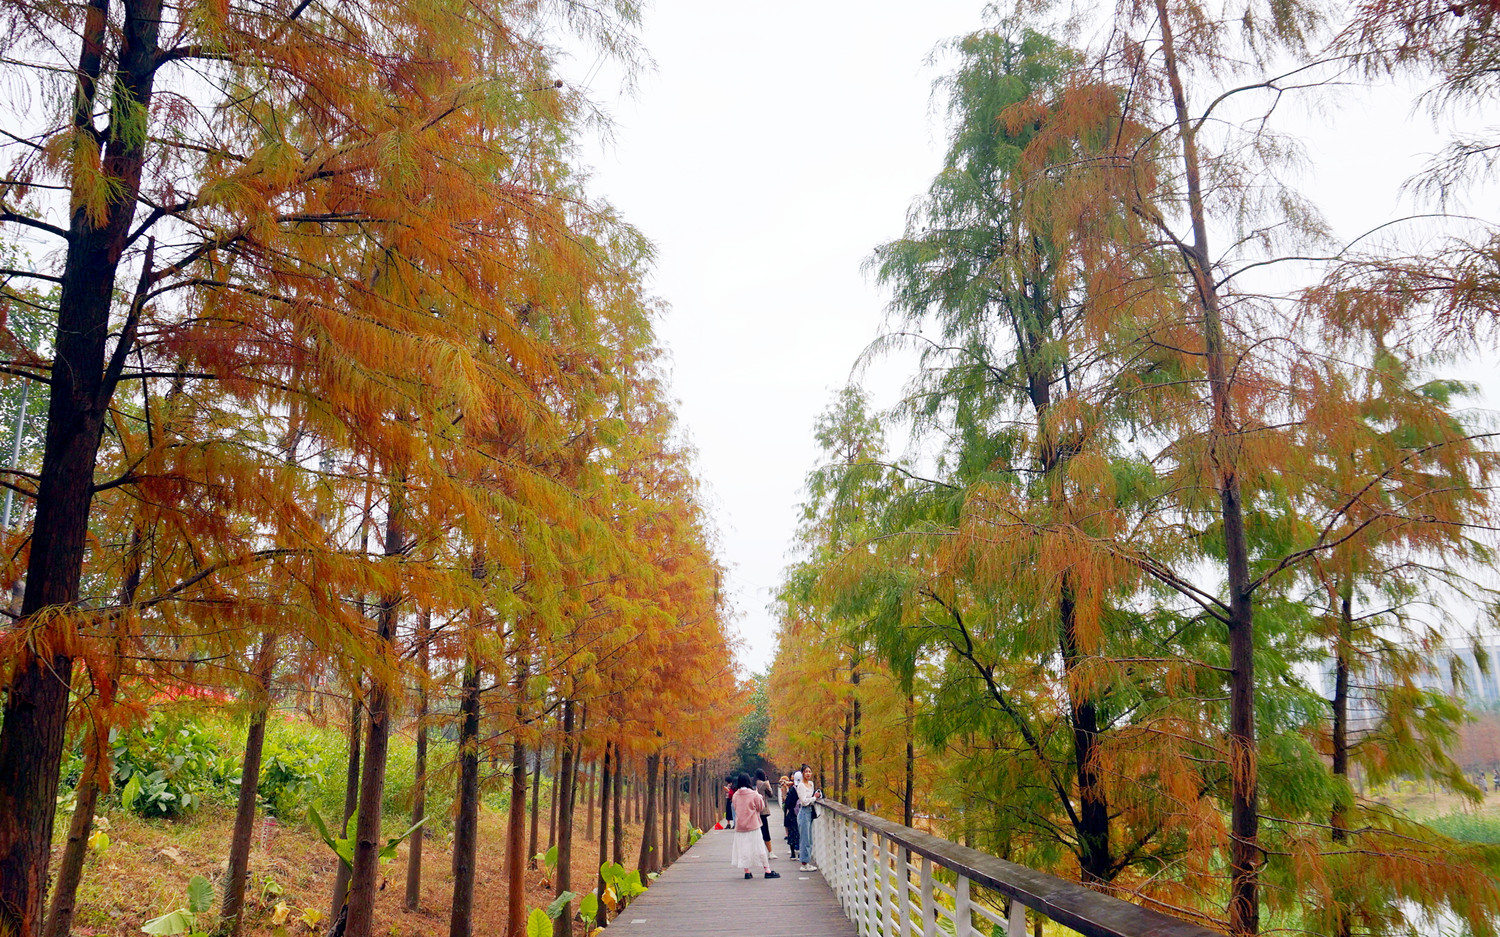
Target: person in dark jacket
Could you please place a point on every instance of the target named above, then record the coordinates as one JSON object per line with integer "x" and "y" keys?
{"x": 789, "y": 816}
{"x": 768, "y": 797}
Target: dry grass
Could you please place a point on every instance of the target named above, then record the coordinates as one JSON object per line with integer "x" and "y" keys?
{"x": 145, "y": 871}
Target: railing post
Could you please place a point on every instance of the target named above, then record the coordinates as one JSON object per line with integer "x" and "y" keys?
{"x": 903, "y": 888}
{"x": 890, "y": 858}
{"x": 839, "y": 862}
{"x": 1017, "y": 923}
{"x": 963, "y": 918}
{"x": 872, "y": 927}
{"x": 857, "y": 877}
{"x": 843, "y": 860}
{"x": 929, "y": 907}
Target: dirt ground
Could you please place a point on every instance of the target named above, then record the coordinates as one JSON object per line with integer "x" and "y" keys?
{"x": 145, "y": 870}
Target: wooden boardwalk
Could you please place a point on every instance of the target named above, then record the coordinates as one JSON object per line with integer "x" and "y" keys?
{"x": 701, "y": 894}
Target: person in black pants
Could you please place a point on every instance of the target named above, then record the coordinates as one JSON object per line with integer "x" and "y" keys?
{"x": 768, "y": 795}
{"x": 789, "y": 817}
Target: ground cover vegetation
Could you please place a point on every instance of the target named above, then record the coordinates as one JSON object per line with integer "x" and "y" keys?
{"x": 1153, "y": 597}
{"x": 333, "y": 393}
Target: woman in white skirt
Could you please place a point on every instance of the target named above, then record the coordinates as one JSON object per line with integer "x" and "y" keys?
{"x": 749, "y": 849}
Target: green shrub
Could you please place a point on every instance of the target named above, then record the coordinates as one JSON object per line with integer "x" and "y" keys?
{"x": 324, "y": 751}
{"x": 170, "y": 766}
{"x": 1468, "y": 827}
{"x": 167, "y": 767}
{"x": 292, "y": 771}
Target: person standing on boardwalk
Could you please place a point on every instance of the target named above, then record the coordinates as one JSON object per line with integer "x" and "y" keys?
{"x": 789, "y": 812}
{"x": 806, "y": 794}
{"x": 749, "y": 849}
{"x": 728, "y": 801}
{"x": 763, "y": 788}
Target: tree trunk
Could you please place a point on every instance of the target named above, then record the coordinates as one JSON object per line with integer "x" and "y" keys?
{"x": 515, "y": 859}
{"x": 552, "y": 800}
{"x": 676, "y": 838}
{"x": 567, "y": 782}
{"x": 854, "y": 726}
{"x": 650, "y": 858}
{"x": 907, "y": 812}
{"x": 351, "y": 790}
{"x": 589, "y": 802}
{"x": 841, "y": 766}
{"x": 96, "y": 766}
{"x": 1340, "y": 742}
{"x": 377, "y": 742}
{"x": 1095, "y": 859}
{"x": 244, "y": 817}
{"x": 466, "y": 823}
{"x": 604, "y": 782}
{"x": 419, "y": 792}
{"x": 34, "y": 721}
{"x": 1338, "y": 818}
{"x": 1244, "y": 820}
{"x": 661, "y": 812}
{"x": 618, "y": 846}
{"x": 536, "y": 796}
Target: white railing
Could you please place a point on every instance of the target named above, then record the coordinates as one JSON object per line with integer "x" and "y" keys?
{"x": 884, "y": 876}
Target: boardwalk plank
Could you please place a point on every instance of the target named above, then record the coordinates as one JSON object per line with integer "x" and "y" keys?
{"x": 702, "y": 894}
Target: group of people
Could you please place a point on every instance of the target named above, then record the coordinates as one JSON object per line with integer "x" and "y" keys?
{"x": 747, "y": 811}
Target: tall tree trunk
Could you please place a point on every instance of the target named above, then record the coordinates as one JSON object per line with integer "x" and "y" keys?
{"x": 604, "y": 782}
{"x": 1095, "y": 857}
{"x": 367, "y": 842}
{"x": 1244, "y": 817}
{"x": 650, "y": 857}
{"x": 676, "y": 838}
{"x": 662, "y": 813}
{"x": 515, "y": 858}
{"x": 907, "y": 812}
{"x": 841, "y": 766}
{"x": 1338, "y": 819}
{"x": 34, "y": 721}
{"x": 466, "y": 824}
{"x": 96, "y": 767}
{"x": 854, "y": 731}
{"x": 536, "y": 796}
{"x": 419, "y": 791}
{"x": 588, "y": 797}
{"x": 567, "y": 782}
{"x": 617, "y": 846}
{"x": 351, "y": 788}
{"x": 552, "y": 800}
{"x": 244, "y": 817}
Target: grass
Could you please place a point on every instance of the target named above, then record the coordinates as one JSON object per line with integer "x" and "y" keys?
{"x": 146, "y": 868}
{"x": 1468, "y": 827}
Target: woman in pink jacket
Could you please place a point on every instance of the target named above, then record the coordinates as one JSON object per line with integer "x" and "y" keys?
{"x": 749, "y": 849}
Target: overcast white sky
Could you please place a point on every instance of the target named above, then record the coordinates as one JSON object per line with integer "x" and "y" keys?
{"x": 770, "y": 150}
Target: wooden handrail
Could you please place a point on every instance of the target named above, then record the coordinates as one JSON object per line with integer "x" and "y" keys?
{"x": 1067, "y": 903}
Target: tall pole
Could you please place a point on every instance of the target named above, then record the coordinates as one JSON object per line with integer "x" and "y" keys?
{"x": 15, "y": 453}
